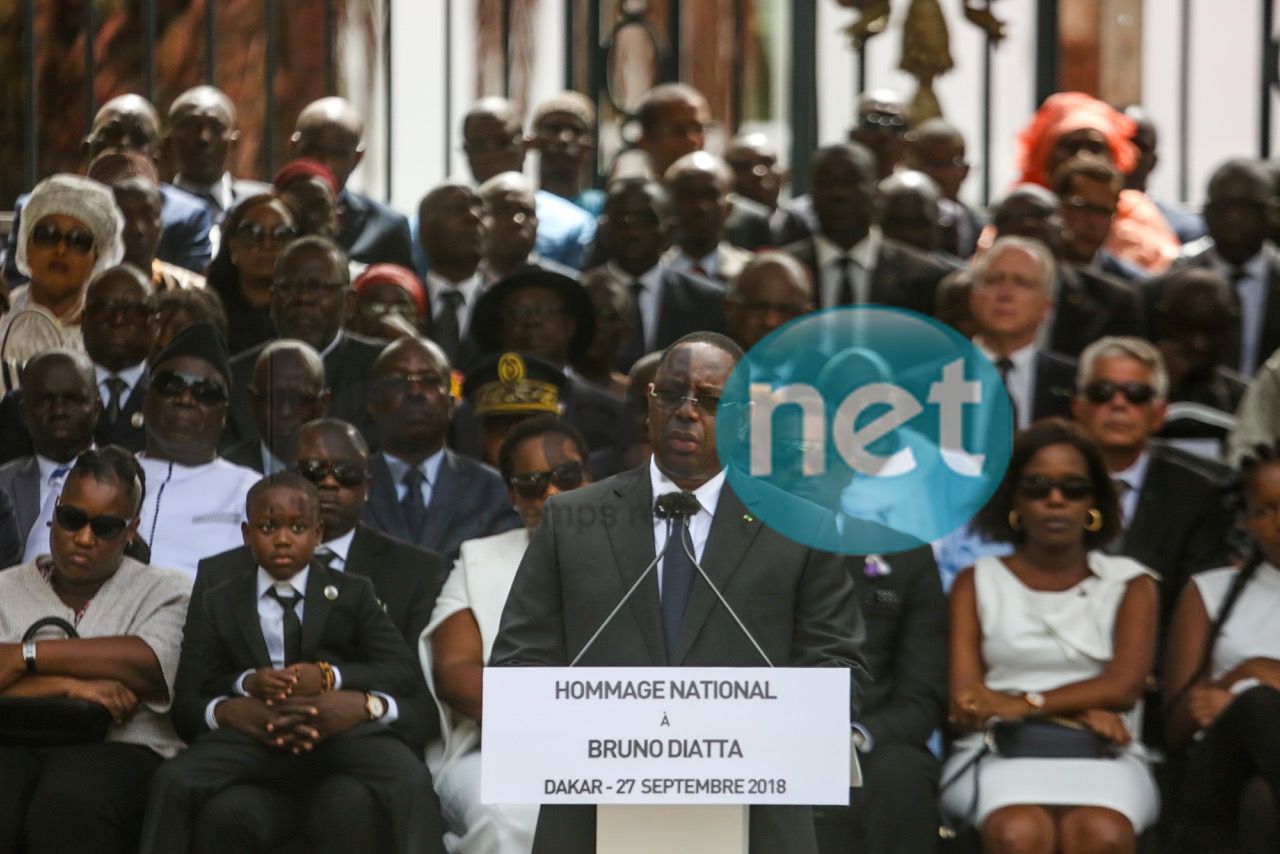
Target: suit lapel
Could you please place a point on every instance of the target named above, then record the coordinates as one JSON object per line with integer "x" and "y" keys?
{"x": 1146, "y": 513}
{"x": 26, "y": 487}
{"x": 632, "y": 542}
{"x": 882, "y": 280}
{"x": 1270, "y": 315}
{"x": 384, "y": 504}
{"x": 245, "y": 605}
{"x": 731, "y": 534}
{"x": 315, "y": 611}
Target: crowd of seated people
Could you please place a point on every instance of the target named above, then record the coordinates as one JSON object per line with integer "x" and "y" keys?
{"x": 281, "y": 449}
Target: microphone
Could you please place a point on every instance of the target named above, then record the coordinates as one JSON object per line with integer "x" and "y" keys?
{"x": 668, "y": 506}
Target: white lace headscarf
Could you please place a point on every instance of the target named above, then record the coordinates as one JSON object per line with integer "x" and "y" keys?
{"x": 85, "y": 200}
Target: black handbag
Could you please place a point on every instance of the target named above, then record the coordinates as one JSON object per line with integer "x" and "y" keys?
{"x": 51, "y": 721}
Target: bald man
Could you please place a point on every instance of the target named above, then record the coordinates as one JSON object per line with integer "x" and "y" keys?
{"x": 772, "y": 289}
{"x": 938, "y": 150}
{"x": 287, "y": 391}
{"x": 331, "y": 130}
{"x": 700, "y": 186}
{"x": 511, "y": 229}
{"x": 130, "y": 123}
{"x": 494, "y": 142}
{"x": 200, "y": 136}
{"x": 906, "y": 209}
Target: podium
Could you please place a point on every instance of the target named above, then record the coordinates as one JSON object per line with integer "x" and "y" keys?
{"x": 671, "y": 756}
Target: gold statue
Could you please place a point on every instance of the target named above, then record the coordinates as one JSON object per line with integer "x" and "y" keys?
{"x": 926, "y": 46}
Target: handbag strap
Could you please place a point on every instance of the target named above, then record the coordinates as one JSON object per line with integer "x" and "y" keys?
{"x": 56, "y": 622}
{"x": 947, "y": 830}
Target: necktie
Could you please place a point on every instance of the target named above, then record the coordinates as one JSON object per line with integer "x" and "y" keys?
{"x": 38, "y": 536}
{"x": 292, "y": 625}
{"x": 415, "y": 510}
{"x": 677, "y": 582}
{"x": 844, "y": 291}
{"x": 448, "y": 332}
{"x": 1004, "y": 366}
{"x": 634, "y": 347}
{"x": 326, "y": 556}
{"x": 1233, "y": 341}
{"x": 115, "y": 398}
{"x": 1122, "y": 491}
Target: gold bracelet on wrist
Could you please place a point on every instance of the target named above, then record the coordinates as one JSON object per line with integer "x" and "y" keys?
{"x": 326, "y": 674}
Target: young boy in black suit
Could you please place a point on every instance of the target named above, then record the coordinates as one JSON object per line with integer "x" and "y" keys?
{"x": 268, "y": 641}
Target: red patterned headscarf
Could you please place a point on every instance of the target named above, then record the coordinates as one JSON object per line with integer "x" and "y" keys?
{"x": 1063, "y": 113}
{"x": 304, "y": 167}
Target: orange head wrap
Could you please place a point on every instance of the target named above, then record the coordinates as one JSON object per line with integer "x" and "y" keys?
{"x": 1063, "y": 113}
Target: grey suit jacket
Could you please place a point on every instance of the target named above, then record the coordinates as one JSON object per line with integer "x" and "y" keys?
{"x": 20, "y": 481}
{"x": 593, "y": 543}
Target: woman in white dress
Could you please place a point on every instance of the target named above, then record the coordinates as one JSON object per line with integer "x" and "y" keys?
{"x": 1060, "y": 631}
{"x": 1223, "y": 680}
{"x": 539, "y": 458}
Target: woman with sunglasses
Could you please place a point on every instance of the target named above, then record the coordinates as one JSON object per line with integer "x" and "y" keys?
{"x": 1222, "y": 683}
{"x": 1056, "y": 631}
{"x": 253, "y": 234}
{"x": 539, "y": 458}
{"x": 129, "y": 617}
{"x": 70, "y": 231}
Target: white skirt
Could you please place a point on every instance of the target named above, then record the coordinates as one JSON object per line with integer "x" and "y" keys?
{"x": 1123, "y": 784}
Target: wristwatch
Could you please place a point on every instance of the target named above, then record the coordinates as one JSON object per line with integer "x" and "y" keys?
{"x": 1035, "y": 700}
{"x": 29, "y": 655}
{"x": 375, "y": 706}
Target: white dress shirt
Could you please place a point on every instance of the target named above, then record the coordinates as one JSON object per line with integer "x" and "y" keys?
{"x": 219, "y": 193}
{"x": 1252, "y": 291}
{"x": 339, "y": 547}
{"x": 430, "y": 468}
{"x": 53, "y": 475}
{"x": 708, "y": 496}
{"x": 271, "y": 612}
{"x": 863, "y": 254}
{"x": 650, "y": 299}
{"x": 469, "y": 288}
{"x": 1021, "y": 380}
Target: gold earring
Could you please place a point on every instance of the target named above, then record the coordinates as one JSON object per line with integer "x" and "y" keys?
{"x": 1095, "y": 521}
{"x": 1014, "y": 522}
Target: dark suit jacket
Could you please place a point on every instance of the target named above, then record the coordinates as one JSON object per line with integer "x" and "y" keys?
{"x": 1270, "y": 319}
{"x": 903, "y": 276}
{"x": 15, "y": 442}
{"x": 576, "y": 571}
{"x": 406, "y": 581}
{"x": 1120, "y": 269}
{"x": 373, "y": 233}
{"x": 1180, "y": 523}
{"x": 184, "y": 241}
{"x": 11, "y": 539}
{"x": 1091, "y": 304}
{"x": 20, "y": 483}
{"x": 241, "y": 188}
{"x": 1053, "y": 387}
{"x": 468, "y": 500}
{"x": 350, "y": 631}
{"x": 794, "y": 221}
{"x": 124, "y": 432}
{"x": 347, "y": 370}
{"x": 748, "y": 225}
{"x": 906, "y": 647}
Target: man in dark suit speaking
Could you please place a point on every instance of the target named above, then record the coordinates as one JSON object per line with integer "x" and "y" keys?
{"x": 798, "y": 603}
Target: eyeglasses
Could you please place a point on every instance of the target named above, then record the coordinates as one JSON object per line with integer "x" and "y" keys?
{"x": 398, "y": 385}
{"x": 499, "y": 143}
{"x": 671, "y": 399}
{"x": 382, "y": 309}
{"x": 203, "y": 391}
{"x": 256, "y": 232}
{"x": 73, "y": 519}
{"x": 76, "y": 240}
{"x": 1072, "y": 488}
{"x": 1102, "y": 391}
{"x": 884, "y": 121}
{"x": 346, "y": 474}
{"x": 135, "y": 312}
{"x": 533, "y": 484}
{"x": 1079, "y": 203}
{"x": 295, "y": 287}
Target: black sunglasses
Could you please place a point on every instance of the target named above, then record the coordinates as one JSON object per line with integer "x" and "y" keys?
{"x": 74, "y": 519}
{"x": 1036, "y": 487}
{"x": 346, "y": 474}
{"x": 1101, "y": 391}
{"x": 533, "y": 484}
{"x": 76, "y": 240}
{"x": 256, "y": 232}
{"x": 203, "y": 391}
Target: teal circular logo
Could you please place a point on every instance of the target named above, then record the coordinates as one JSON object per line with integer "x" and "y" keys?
{"x": 865, "y": 429}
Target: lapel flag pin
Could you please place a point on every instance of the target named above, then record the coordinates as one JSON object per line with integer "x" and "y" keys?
{"x": 747, "y": 517}
{"x": 876, "y": 567}
{"x": 330, "y": 592}
{"x": 136, "y": 419}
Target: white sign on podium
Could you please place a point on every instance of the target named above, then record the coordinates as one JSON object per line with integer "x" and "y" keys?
{"x": 666, "y": 735}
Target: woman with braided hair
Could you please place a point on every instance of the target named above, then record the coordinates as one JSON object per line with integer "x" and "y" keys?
{"x": 1222, "y": 678}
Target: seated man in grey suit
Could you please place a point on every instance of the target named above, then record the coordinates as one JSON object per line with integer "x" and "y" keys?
{"x": 59, "y": 409}
{"x": 573, "y": 575}
{"x": 421, "y": 492}
{"x": 287, "y": 391}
